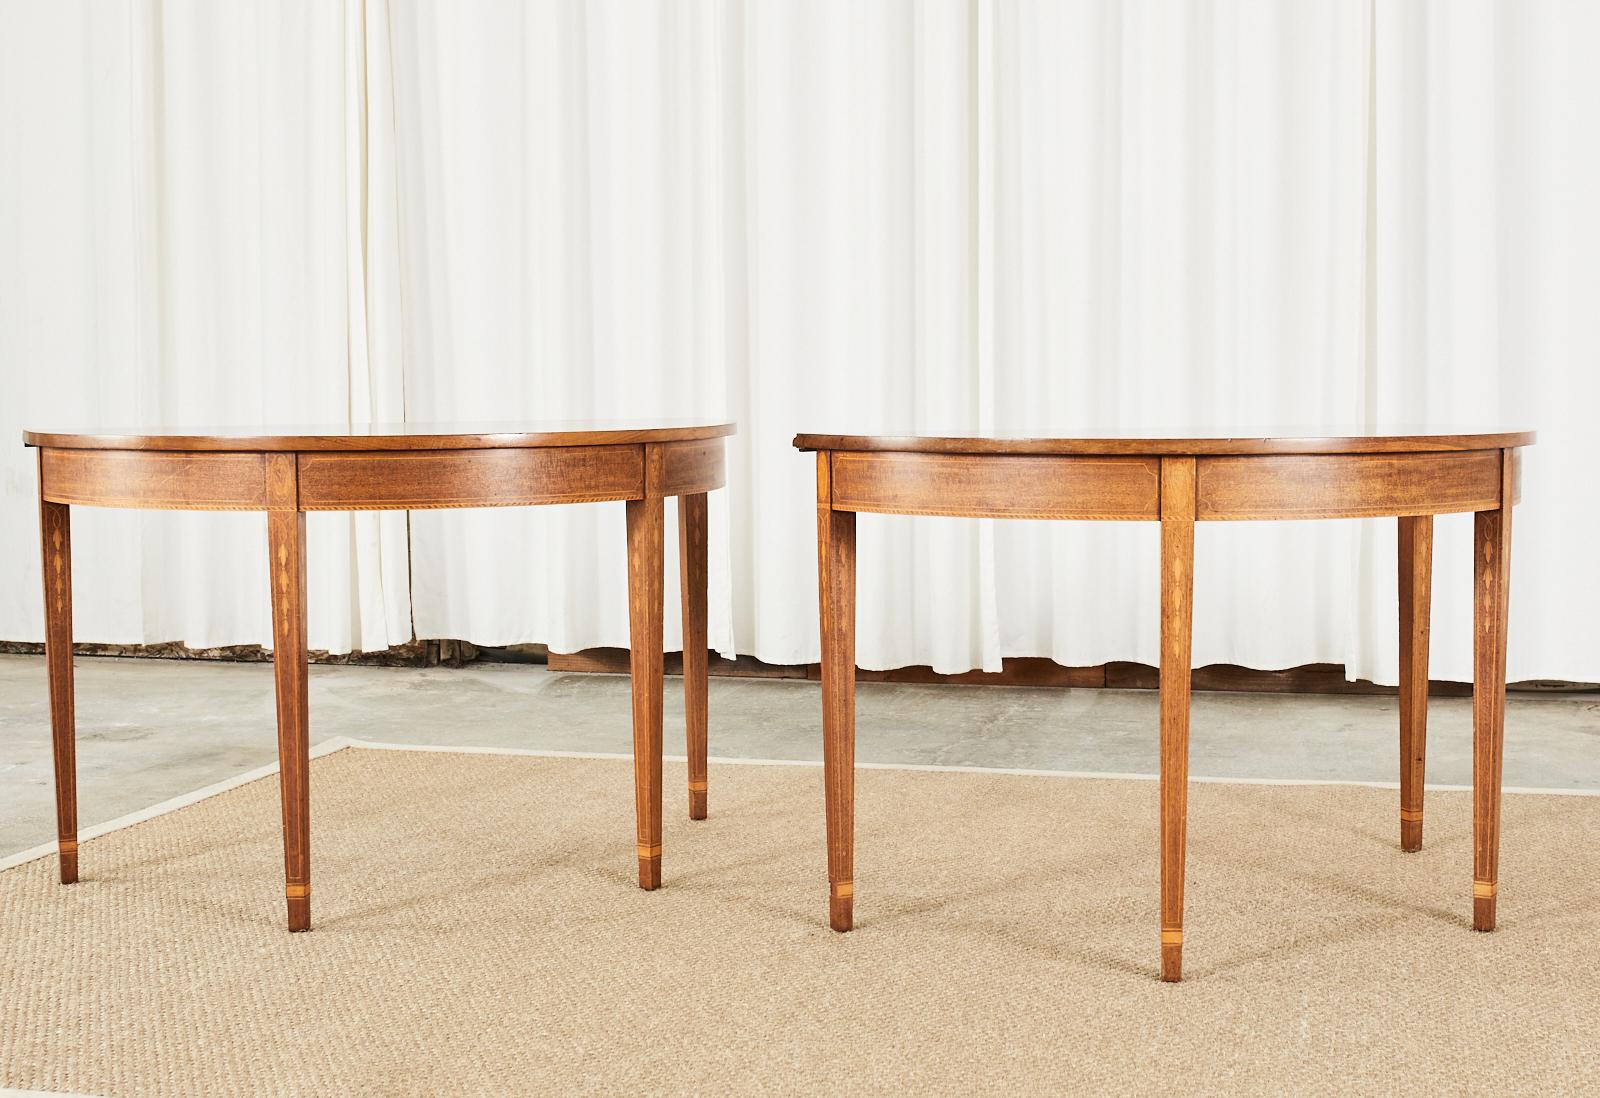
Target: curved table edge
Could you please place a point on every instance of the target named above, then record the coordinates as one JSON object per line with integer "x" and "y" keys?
{"x": 1167, "y": 447}
{"x": 350, "y": 443}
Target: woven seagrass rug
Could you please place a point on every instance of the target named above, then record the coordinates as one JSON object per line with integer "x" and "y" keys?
{"x": 477, "y": 930}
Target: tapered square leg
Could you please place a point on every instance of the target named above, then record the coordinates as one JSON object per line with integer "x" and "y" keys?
{"x": 836, "y": 560}
{"x": 692, "y": 577}
{"x": 56, "y": 539}
{"x": 286, "y": 549}
{"x": 645, "y": 607}
{"x": 1416, "y": 594}
{"x": 1177, "y": 617}
{"x": 1491, "y": 586}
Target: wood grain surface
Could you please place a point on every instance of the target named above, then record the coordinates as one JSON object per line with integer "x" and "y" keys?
{"x": 692, "y": 553}
{"x": 384, "y": 436}
{"x": 1180, "y": 481}
{"x": 1297, "y": 486}
{"x": 409, "y": 467}
{"x": 55, "y": 536}
{"x": 168, "y": 481}
{"x": 1416, "y": 598}
{"x": 646, "y": 526}
{"x": 1177, "y": 631}
{"x": 1009, "y": 486}
{"x": 689, "y": 468}
{"x": 1491, "y": 599}
{"x": 420, "y": 480}
{"x": 836, "y": 586}
{"x": 286, "y": 557}
{"x": 1257, "y": 441}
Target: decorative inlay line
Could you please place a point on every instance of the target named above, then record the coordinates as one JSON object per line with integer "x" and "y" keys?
{"x": 1484, "y": 890}
{"x": 649, "y": 851}
{"x": 1171, "y": 937}
{"x": 1411, "y": 815}
{"x": 297, "y": 892}
{"x": 842, "y": 890}
{"x": 465, "y": 501}
{"x": 697, "y": 787}
{"x": 58, "y": 565}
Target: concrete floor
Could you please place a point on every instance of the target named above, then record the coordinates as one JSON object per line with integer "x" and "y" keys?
{"x": 149, "y": 730}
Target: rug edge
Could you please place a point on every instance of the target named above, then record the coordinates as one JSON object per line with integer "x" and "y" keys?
{"x": 172, "y": 804}
{"x": 340, "y": 743}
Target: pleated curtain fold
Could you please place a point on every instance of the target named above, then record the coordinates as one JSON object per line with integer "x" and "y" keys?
{"x": 949, "y": 215}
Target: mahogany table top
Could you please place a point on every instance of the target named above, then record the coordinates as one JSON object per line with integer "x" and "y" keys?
{"x": 1288, "y": 440}
{"x": 386, "y": 436}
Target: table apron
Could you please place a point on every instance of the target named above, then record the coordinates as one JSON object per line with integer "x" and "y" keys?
{"x": 1242, "y": 487}
{"x": 997, "y": 486}
{"x": 370, "y": 480}
{"x": 1308, "y": 486}
{"x": 686, "y": 468}
{"x": 421, "y": 480}
{"x": 169, "y": 481}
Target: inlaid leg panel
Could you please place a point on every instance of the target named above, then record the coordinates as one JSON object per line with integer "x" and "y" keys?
{"x": 645, "y": 605}
{"x": 692, "y": 576}
{"x": 836, "y": 559}
{"x": 55, "y": 529}
{"x": 1416, "y": 588}
{"x": 1177, "y": 618}
{"x": 1492, "y": 576}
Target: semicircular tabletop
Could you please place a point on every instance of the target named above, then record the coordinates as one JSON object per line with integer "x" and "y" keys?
{"x": 385, "y": 436}
{"x": 1250, "y": 440}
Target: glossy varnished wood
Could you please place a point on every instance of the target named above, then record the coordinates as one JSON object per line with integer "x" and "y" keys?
{"x": 420, "y": 480}
{"x": 689, "y": 468}
{"x": 836, "y": 587}
{"x": 645, "y": 555}
{"x": 1177, "y": 631}
{"x": 1416, "y": 596}
{"x": 286, "y": 563}
{"x": 692, "y": 585}
{"x": 289, "y": 473}
{"x": 1411, "y": 476}
{"x": 1275, "y": 440}
{"x": 1491, "y": 586}
{"x": 169, "y": 481}
{"x": 55, "y": 534}
{"x": 1006, "y": 486}
{"x": 386, "y": 436}
{"x": 1306, "y": 486}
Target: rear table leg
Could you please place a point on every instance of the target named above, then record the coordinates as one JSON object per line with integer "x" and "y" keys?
{"x": 836, "y": 559}
{"x": 56, "y": 535}
{"x": 1416, "y": 589}
{"x": 692, "y": 575}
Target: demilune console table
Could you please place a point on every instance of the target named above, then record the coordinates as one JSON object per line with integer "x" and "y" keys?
{"x": 1178, "y": 482}
{"x": 403, "y": 467}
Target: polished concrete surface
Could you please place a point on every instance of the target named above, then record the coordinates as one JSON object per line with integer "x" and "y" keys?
{"x": 149, "y": 730}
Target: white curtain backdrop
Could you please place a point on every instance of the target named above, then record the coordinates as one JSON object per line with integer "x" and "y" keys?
{"x": 180, "y": 242}
{"x": 948, "y": 215}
